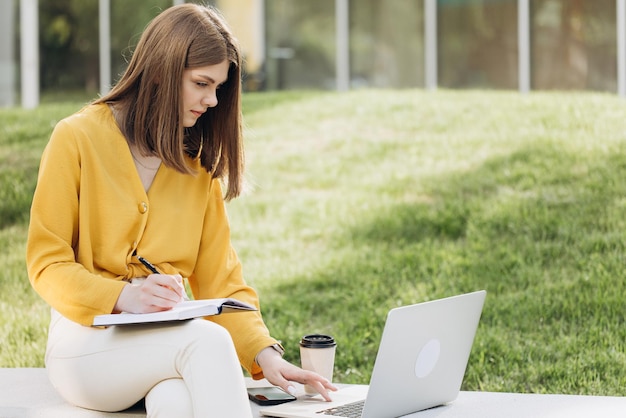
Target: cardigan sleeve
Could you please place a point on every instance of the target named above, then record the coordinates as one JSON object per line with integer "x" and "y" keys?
{"x": 53, "y": 271}
{"x": 218, "y": 274}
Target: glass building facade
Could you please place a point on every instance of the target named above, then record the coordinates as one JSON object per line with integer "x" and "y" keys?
{"x": 297, "y": 44}
{"x": 573, "y": 44}
{"x": 386, "y": 43}
{"x": 480, "y": 48}
{"x": 300, "y": 44}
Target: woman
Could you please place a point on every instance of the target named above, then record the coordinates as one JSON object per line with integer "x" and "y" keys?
{"x": 139, "y": 173}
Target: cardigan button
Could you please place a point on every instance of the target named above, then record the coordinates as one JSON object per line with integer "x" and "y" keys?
{"x": 143, "y": 207}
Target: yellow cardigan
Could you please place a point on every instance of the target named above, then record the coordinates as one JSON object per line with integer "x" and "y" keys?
{"x": 90, "y": 213}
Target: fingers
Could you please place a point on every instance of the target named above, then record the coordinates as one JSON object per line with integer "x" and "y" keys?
{"x": 321, "y": 385}
{"x": 178, "y": 286}
{"x": 163, "y": 290}
{"x": 282, "y": 374}
{"x": 318, "y": 383}
{"x": 157, "y": 292}
{"x": 287, "y": 386}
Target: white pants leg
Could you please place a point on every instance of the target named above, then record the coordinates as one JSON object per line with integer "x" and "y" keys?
{"x": 168, "y": 399}
{"x": 111, "y": 369}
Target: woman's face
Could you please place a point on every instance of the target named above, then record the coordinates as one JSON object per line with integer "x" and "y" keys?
{"x": 200, "y": 86}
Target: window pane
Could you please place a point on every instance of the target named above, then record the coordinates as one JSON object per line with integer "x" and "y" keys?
{"x": 477, "y": 43}
{"x": 300, "y": 44}
{"x": 128, "y": 20}
{"x": 68, "y": 36}
{"x": 574, "y": 44}
{"x": 386, "y": 43}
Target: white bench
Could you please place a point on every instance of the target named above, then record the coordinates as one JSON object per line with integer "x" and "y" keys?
{"x": 27, "y": 392}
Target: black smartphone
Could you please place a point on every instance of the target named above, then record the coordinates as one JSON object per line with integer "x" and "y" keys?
{"x": 270, "y": 395}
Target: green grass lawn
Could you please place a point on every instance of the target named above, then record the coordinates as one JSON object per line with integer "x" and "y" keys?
{"x": 363, "y": 201}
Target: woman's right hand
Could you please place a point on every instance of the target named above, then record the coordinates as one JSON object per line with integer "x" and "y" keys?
{"x": 158, "y": 292}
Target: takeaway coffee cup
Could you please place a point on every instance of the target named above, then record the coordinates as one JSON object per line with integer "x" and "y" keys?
{"x": 317, "y": 354}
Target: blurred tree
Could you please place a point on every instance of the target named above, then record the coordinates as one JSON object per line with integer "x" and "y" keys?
{"x": 128, "y": 20}
{"x": 69, "y": 39}
{"x": 61, "y": 38}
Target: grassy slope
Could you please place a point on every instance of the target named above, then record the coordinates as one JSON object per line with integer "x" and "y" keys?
{"x": 373, "y": 199}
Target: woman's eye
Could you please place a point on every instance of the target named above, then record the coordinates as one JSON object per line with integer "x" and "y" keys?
{"x": 201, "y": 84}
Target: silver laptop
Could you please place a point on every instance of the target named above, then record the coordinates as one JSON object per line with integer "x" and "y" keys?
{"x": 420, "y": 364}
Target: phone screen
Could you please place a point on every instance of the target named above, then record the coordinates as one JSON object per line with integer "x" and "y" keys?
{"x": 271, "y": 395}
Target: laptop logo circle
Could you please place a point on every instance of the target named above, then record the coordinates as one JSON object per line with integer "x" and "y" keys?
{"x": 427, "y": 358}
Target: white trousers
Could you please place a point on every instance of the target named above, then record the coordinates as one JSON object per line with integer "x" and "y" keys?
{"x": 186, "y": 369}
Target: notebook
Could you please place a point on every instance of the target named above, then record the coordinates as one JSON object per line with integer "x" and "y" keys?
{"x": 421, "y": 361}
{"x": 184, "y": 310}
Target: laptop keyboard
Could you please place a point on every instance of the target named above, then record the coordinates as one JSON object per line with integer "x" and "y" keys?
{"x": 350, "y": 410}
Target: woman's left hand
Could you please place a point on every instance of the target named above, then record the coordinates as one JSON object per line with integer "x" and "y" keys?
{"x": 280, "y": 372}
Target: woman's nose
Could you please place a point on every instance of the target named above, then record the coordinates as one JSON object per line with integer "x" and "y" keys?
{"x": 210, "y": 100}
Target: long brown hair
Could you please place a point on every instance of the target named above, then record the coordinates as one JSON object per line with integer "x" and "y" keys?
{"x": 148, "y": 97}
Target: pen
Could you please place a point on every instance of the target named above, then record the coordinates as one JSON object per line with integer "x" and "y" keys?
{"x": 148, "y": 264}
{"x": 153, "y": 269}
